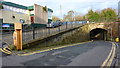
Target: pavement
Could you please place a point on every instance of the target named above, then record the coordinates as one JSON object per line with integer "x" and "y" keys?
{"x": 87, "y": 54}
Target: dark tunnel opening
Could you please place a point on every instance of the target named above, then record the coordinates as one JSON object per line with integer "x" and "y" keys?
{"x": 98, "y": 34}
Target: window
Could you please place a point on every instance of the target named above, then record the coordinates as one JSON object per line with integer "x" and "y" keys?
{"x": 20, "y": 10}
{"x": 31, "y": 12}
{"x": 14, "y": 9}
{"x": 49, "y": 15}
{"x": 17, "y": 10}
{"x": 6, "y": 7}
{"x": 11, "y": 8}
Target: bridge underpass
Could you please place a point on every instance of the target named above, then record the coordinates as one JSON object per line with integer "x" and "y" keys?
{"x": 98, "y": 34}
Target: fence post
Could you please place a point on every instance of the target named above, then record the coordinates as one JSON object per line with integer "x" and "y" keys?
{"x": 33, "y": 32}
{"x": 58, "y": 28}
{"x": 66, "y": 25}
{"x": 49, "y": 31}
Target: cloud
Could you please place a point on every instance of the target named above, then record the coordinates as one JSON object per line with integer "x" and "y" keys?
{"x": 81, "y": 6}
{"x": 80, "y": 1}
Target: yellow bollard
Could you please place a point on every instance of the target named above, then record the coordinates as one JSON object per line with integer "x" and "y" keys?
{"x": 17, "y": 36}
{"x": 117, "y": 39}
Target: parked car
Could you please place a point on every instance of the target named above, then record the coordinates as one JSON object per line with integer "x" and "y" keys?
{"x": 54, "y": 24}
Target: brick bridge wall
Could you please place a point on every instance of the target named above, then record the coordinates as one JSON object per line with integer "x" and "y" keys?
{"x": 107, "y": 26}
{"x": 83, "y": 33}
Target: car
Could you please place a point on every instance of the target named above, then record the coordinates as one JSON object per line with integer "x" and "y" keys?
{"x": 54, "y": 24}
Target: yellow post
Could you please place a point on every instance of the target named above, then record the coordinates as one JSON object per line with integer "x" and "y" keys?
{"x": 117, "y": 39}
{"x": 17, "y": 36}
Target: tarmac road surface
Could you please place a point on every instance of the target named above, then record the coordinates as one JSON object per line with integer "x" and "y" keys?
{"x": 88, "y": 54}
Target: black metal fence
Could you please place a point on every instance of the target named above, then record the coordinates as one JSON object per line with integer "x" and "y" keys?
{"x": 32, "y": 33}
{"x": 6, "y": 33}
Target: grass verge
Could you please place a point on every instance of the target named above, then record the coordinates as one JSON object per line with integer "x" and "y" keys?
{"x": 42, "y": 47}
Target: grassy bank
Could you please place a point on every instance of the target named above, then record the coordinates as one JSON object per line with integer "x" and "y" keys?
{"x": 47, "y": 45}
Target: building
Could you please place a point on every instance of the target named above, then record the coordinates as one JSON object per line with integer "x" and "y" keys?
{"x": 50, "y": 12}
{"x": 13, "y": 13}
{"x": 40, "y": 14}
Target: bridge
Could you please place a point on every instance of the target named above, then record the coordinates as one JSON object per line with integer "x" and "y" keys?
{"x": 103, "y": 29}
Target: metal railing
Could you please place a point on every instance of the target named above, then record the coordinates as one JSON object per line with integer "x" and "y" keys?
{"x": 39, "y": 33}
{"x": 31, "y": 33}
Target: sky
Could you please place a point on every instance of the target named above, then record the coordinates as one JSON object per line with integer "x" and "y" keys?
{"x": 80, "y": 6}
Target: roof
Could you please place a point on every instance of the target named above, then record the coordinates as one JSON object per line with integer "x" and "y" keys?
{"x": 13, "y": 4}
{"x": 30, "y": 7}
{"x": 50, "y": 10}
{"x": 20, "y": 6}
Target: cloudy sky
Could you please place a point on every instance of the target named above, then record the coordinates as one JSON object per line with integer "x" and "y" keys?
{"x": 81, "y": 6}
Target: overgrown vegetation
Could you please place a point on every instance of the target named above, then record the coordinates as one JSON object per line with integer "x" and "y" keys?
{"x": 44, "y": 46}
{"x": 45, "y": 9}
{"x": 105, "y": 15}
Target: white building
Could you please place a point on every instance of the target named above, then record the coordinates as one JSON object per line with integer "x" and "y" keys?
{"x": 14, "y": 13}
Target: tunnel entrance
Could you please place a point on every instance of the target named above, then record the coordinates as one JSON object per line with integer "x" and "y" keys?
{"x": 98, "y": 34}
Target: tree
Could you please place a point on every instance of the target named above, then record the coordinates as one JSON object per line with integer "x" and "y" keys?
{"x": 55, "y": 18}
{"x": 89, "y": 15}
{"x": 69, "y": 16}
{"x": 108, "y": 15}
{"x": 92, "y": 16}
{"x": 78, "y": 18}
{"x": 96, "y": 17}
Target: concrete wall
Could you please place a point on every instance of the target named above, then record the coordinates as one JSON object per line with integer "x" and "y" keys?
{"x": 7, "y": 17}
{"x": 40, "y": 16}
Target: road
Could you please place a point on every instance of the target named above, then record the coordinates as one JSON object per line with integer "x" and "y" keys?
{"x": 87, "y": 54}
